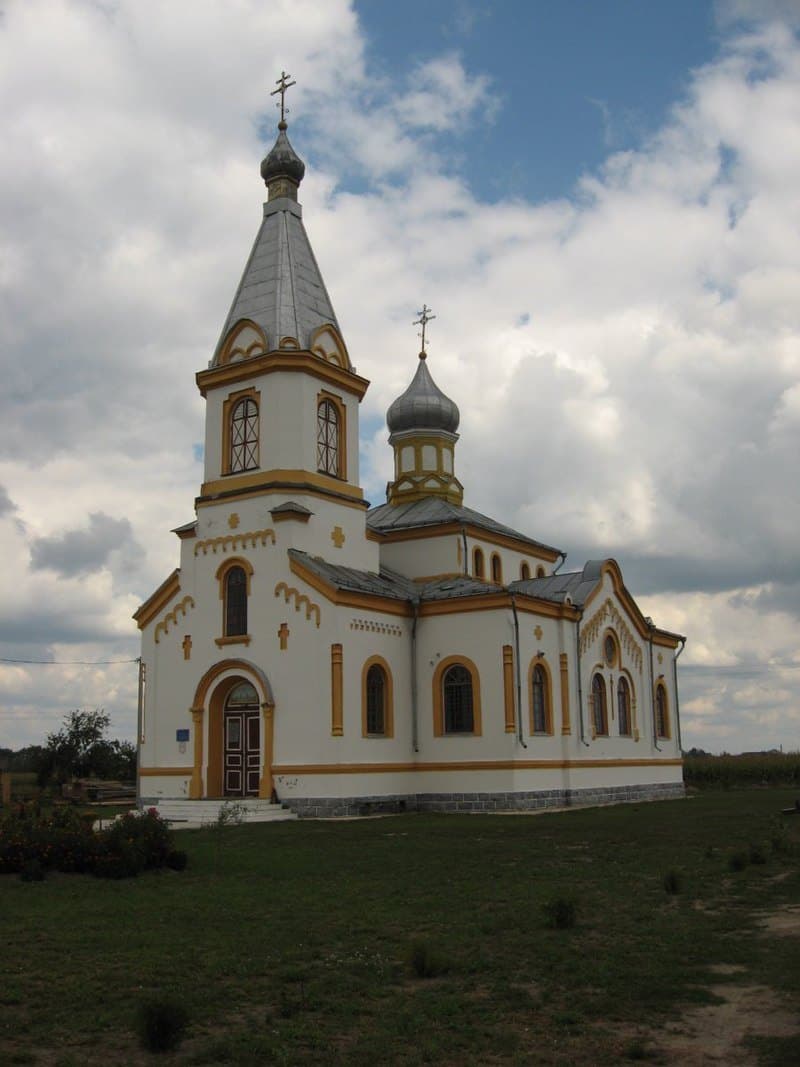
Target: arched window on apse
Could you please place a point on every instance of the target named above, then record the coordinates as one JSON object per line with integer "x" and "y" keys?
{"x": 524, "y": 572}
{"x": 624, "y": 706}
{"x": 539, "y": 700}
{"x": 599, "y": 711}
{"x": 662, "y": 712}
{"x": 376, "y": 700}
{"x": 477, "y": 563}
{"x": 497, "y": 569}
{"x": 458, "y": 700}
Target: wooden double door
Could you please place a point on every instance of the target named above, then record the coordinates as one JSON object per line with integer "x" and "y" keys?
{"x": 242, "y": 752}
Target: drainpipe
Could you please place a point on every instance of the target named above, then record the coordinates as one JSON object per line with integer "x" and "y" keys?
{"x": 651, "y": 626}
{"x": 677, "y": 706}
{"x": 139, "y": 729}
{"x": 520, "y": 737}
{"x": 580, "y": 686}
{"x": 414, "y": 726}
{"x": 561, "y": 562}
{"x": 466, "y": 556}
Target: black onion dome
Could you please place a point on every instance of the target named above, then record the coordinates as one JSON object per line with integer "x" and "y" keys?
{"x": 423, "y": 406}
{"x": 282, "y": 161}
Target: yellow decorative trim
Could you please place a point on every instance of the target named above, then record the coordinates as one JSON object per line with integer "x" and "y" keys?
{"x": 338, "y": 536}
{"x": 477, "y": 533}
{"x": 659, "y": 637}
{"x": 624, "y": 640}
{"x": 540, "y": 661}
{"x": 233, "y": 523}
{"x": 230, "y": 350}
{"x": 469, "y": 765}
{"x": 296, "y": 362}
{"x": 388, "y": 708}
{"x": 508, "y": 688}
{"x": 239, "y": 540}
{"x": 259, "y": 479}
{"x": 337, "y": 691}
{"x": 172, "y": 616}
{"x": 377, "y": 627}
{"x": 339, "y": 355}
{"x": 266, "y": 489}
{"x": 158, "y": 600}
{"x": 438, "y": 696}
{"x": 563, "y": 664}
{"x": 289, "y": 592}
{"x": 236, "y": 639}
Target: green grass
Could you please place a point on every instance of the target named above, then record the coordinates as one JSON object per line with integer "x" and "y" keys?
{"x": 295, "y": 943}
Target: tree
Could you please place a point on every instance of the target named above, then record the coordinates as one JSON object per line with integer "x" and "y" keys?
{"x": 80, "y": 749}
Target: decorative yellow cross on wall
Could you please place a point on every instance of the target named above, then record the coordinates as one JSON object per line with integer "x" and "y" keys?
{"x": 283, "y": 634}
{"x": 187, "y": 647}
{"x": 337, "y": 536}
{"x": 537, "y": 633}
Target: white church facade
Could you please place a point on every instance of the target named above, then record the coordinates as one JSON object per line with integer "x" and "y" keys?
{"x": 418, "y": 655}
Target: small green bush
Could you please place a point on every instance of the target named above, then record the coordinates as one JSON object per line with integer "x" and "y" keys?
{"x": 560, "y": 913}
{"x": 672, "y": 882}
{"x": 737, "y": 861}
{"x": 425, "y": 960}
{"x": 177, "y": 860}
{"x": 161, "y": 1024}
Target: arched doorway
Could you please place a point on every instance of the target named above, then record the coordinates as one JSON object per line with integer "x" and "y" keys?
{"x": 241, "y": 745}
{"x": 233, "y": 732}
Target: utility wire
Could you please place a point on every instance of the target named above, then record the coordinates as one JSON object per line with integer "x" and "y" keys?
{"x": 69, "y": 662}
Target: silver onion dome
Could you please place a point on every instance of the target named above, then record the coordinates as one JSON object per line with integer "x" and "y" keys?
{"x": 282, "y": 161}
{"x": 423, "y": 406}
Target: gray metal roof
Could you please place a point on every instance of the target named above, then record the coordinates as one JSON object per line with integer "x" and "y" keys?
{"x": 423, "y": 406}
{"x": 282, "y": 288}
{"x": 577, "y": 585}
{"x": 435, "y": 511}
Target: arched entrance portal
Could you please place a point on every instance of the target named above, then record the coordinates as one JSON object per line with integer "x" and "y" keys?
{"x": 241, "y": 742}
{"x": 233, "y": 716}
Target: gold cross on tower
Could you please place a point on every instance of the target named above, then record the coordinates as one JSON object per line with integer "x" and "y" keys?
{"x": 423, "y": 320}
{"x": 283, "y": 85}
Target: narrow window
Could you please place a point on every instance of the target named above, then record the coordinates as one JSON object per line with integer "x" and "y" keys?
{"x": 539, "y": 699}
{"x": 235, "y": 602}
{"x": 477, "y": 563}
{"x": 524, "y": 572}
{"x": 376, "y": 700}
{"x": 328, "y": 438}
{"x": 662, "y": 716}
{"x": 540, "y": 571}
{"x": 244, "y": 436}
{"x": 624, "y": 706}
{"x": 457, "y": 699}
{"x": 497, "y": 569}
{"x": 599, "y": 717}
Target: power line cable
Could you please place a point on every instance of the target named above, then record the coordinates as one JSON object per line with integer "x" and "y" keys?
{"x": 69, "y": 662}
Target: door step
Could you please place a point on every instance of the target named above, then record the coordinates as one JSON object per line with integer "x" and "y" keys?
{"x": 183, "y": 814}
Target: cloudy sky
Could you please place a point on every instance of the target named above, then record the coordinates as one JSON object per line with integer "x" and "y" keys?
{"x": 601, "y": 203}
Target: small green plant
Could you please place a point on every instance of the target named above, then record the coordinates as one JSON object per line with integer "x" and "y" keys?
{"x": 757, "y": 854}
{"x": 737, "y": 861}
{"x": 231, "y": 813}
{"x": 425, "y": 960}
{"x": 560, "y": 912}
{"x": 161, "y": 1024}
{"x": 672, "y": 882}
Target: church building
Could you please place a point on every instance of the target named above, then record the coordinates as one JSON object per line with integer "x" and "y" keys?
{"x": 314, "y": 653}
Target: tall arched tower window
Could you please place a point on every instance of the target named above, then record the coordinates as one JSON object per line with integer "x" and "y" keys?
{"x": 539, "y": 700}
{"x": 244, "y": 436}
{"x": 624, "y": 706}
{"x": 235, "y": 602}
{"x": 328, "y": 439}
{"x": 477, "y": 562}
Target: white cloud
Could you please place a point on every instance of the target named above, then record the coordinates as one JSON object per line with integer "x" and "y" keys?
{"x": 639, "y": 339}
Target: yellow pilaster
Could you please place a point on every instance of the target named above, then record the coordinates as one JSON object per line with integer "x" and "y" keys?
{"x": 265, "y": 784}
{"x": 508, "y": 688}
{"x": 566, "y": 725}
{"x": 196, "y": 783}
{"x": 337, "y": 692}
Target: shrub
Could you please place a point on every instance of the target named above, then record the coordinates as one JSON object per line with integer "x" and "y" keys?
{"x": 757, "y": 854}
{"x": 672, "y": 882}
{"x": 177, "y": 860}
{"x": 560, "y": 912}
{"x": 161, "y": 1024}
{"x": 737, "y": 861}
{"x": 33, "y": 871}
{"x": 425, "y": 960}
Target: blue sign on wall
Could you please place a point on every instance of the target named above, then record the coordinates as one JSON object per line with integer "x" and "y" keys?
{"x": 181, "y": 735}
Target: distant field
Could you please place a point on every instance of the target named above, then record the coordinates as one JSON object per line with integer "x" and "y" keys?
{"x": 289, "y": 943}
{"x": 737, "y": 771}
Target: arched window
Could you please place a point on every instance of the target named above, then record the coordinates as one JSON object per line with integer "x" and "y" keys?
{"x": 328, "y": 442}
{"x": 376, "y": 700}
{"x": 477, "y": 563}
{"x": 457, "y": 700}
{"x": 235, "y": 602}
{"x": 244, "y": 436}
{"x": 497, "y": 569}
{"x": 524, "y": 572}
{"x": 624, "y": 706}
{"x": 599, "y": 716}
{"x": 539, "y": 700}
{"x": 662, "y": 712}
{"x": 540, "y": 571}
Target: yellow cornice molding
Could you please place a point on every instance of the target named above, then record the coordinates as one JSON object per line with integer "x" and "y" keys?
{"x": 168, "y": 589}
{"x": 468, "y": 765}
{"x": 477, "y": 533}
{"x": 167, "y": 772}
{"x": 302, "y": 362}
{"x": 277, "y": 477}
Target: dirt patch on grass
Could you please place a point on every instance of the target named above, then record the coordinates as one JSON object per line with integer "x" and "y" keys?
{"x": 783, "y": 922}
{"x": 713, "y": 1033}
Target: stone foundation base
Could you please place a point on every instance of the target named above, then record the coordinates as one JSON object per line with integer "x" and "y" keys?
{"x": 330, "y": 807}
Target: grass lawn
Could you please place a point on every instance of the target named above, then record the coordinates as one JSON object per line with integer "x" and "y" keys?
{"x": 290, "y": 943}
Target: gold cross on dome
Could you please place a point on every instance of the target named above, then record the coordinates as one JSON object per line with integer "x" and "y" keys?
{"x": 423, "y": 320}
{"x": 283, "y": 85}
